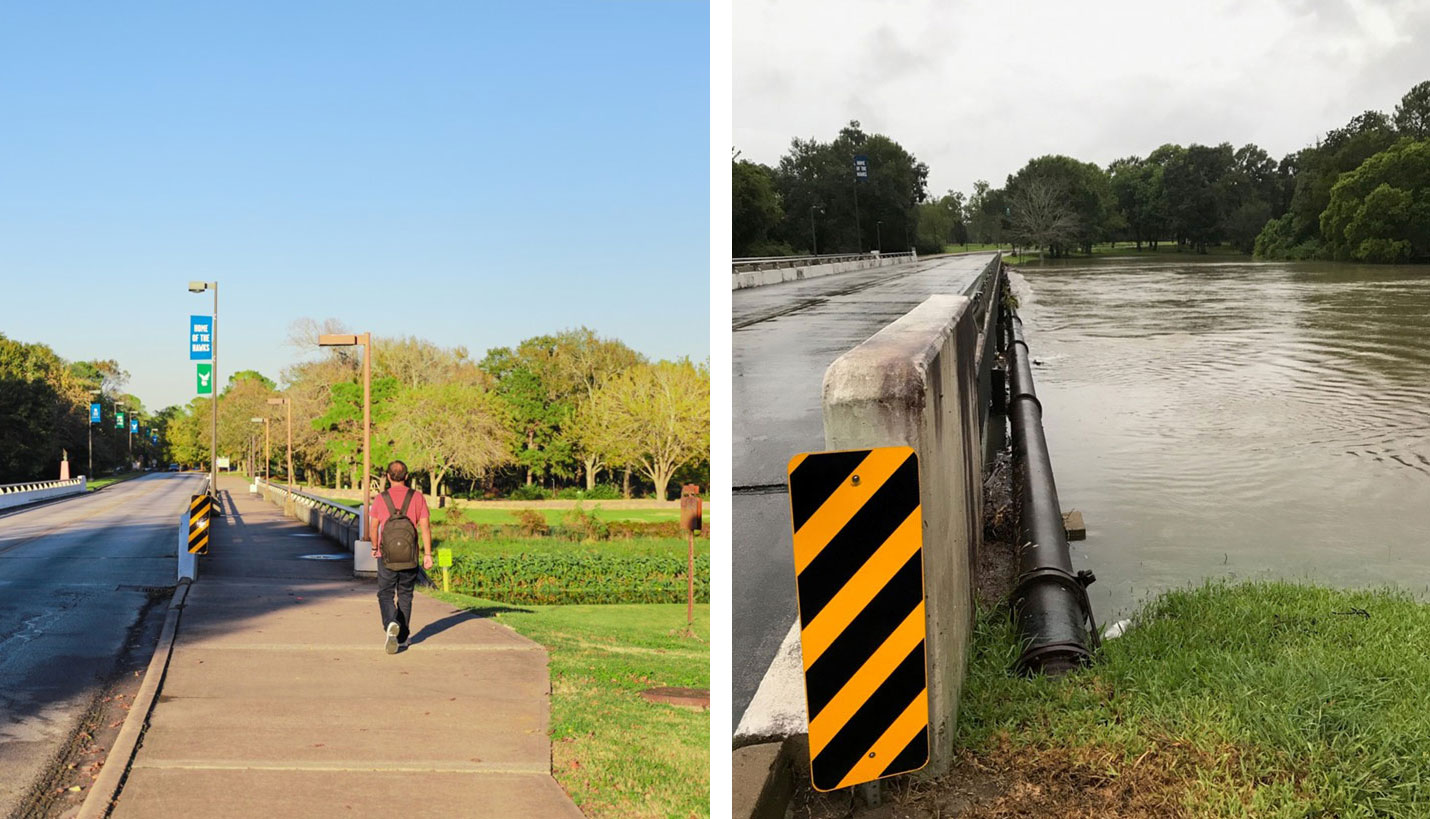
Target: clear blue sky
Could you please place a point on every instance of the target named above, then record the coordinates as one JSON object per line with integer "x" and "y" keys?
{"x": 471, "y": 173}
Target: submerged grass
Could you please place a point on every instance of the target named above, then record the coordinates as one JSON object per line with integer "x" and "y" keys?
{"x": 616, "y": 754}
{"x": 1261, "y": 699}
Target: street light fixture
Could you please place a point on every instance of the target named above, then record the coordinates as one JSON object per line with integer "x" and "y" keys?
{"x": 288, "y": 504}
{"x": 199, "y": 287}
{"x": 353, "y": 340}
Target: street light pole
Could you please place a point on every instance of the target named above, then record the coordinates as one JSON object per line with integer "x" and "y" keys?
{"x": 288, "y": 503}
{"x": 813, "y": 237}
{"x": 879, "y": 235}
{"x": 90, "y": 473}
{"x": 199, "y": 287}
{"x": 365, "y": 340}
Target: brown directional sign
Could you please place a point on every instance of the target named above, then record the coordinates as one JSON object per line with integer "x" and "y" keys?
{"x": 200, "y": 510}
{"x": 858, "y": 560}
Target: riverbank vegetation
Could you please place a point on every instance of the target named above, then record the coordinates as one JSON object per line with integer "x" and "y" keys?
{"x": 615, "y": 753}
{"x": 1360, "y": 193}
{"x": 1261, "y": 699}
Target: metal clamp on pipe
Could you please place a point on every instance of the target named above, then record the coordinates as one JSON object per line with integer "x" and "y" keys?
{"x": 1050, "y": 603}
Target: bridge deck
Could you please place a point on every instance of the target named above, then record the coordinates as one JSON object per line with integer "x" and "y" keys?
{"x": 786, "y": 335}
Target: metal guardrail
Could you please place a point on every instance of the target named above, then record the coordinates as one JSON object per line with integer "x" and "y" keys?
{"x": 339, "y": 522}
{"x": 35, "y": 486}
{"x": 986, "y": 294}
{"x": 748, "y": 263}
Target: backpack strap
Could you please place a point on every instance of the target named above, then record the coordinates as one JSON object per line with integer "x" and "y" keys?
{"x": 386, "y": 498}
{"x": 406, "y": 501}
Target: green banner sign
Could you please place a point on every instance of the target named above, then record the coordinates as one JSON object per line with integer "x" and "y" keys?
{"x": 205, "y": 379}
{"x": 119, "y": 420}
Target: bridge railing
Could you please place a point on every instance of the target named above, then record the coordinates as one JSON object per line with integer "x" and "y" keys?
{"x": 19, "y": 494}
{"x": 336, "y": 521}
{"x": 747, "y": 263}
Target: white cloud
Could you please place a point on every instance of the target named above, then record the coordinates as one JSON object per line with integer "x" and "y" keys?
{"x": 977, "y": 89}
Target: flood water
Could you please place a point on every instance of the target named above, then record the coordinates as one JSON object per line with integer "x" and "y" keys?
{"x": 1236, "y": 419}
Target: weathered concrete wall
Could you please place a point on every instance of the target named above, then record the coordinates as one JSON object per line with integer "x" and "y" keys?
{"x": 19, "y": 494}
{"x": 915, "y": 384}
{"x": 776, "y": 275}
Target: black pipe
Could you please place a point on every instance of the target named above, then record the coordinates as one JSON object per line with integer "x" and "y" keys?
{"x": 1050, "y": 603}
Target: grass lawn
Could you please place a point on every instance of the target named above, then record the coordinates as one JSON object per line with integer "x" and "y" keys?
{"x": 1263, "y": 699}
{"x": 497, "y": 516}
{"x": 100, "y": 483}
{"x": 616, "y": 754}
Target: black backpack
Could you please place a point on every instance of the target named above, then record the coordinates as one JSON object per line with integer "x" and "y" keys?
{"x": 399, "y": 534}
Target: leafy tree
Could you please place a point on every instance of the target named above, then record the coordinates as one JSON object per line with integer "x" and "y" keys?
{"x": 1087, "y": 207}
{"x": 1380, "y": 212}
{"x": 1412, "y": 115}
{"x": 654, "y": 416}
{"x": 1137, "y": 189}
{"x": 755, "y": 208}
{"x": 986, "y": 214}
{"x": 437, "y": 428}
{"x": 941, "y": 223}
{"x": 249, "y": 375}
{"x": 1042, "y": 216}
{"x": 820, "y": 176}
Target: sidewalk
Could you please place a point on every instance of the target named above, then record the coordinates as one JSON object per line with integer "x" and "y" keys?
{"x": 279, "y": 699}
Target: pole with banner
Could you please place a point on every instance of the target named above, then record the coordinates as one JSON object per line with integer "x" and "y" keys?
{"x": 94, "y": 418}
{"x": 861, "y": 174}
{"x": 203, "y": 346}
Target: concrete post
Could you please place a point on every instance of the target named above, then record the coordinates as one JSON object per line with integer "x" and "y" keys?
{"x": 188, "y": 561}
{"x": 914, "y": 383}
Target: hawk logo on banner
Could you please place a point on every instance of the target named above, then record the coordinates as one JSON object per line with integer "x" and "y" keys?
{"x": 858, "y": 561}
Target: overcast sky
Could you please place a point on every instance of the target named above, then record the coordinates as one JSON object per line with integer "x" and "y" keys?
{"x": 976, "y": 89}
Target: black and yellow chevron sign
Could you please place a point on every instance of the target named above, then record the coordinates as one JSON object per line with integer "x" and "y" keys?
{"x": 200, "y": 510}
{"x": 858, "y": 560}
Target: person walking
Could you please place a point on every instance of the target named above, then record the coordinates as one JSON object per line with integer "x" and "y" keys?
{"x": 399, "y": 513}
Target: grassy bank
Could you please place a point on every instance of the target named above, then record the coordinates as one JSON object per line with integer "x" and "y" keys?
{"x": 1266, "y": 699}
{"x": 1128, "y": 250}
{"x": 616, "y": 754}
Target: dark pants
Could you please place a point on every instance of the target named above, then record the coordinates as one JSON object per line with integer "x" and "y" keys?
{"x": 400, "y": 581}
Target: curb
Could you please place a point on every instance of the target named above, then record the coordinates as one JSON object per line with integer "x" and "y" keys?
{"x": 763, "y": 777}
{"x": 100, "y": 799}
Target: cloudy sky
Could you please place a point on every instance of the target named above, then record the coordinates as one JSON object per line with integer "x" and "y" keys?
{"x": 976, "y": 89}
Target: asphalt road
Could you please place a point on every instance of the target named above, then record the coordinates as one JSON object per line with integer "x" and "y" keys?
{"x": 74, "y": 576}
{"x": 786, "y": 335}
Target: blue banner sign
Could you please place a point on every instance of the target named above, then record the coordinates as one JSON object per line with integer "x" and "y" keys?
{"x": 861, "y": 168}
{"x": 133, "y": 425}
{"x": 94, "y": 413}
{"x": 201, "y": 342}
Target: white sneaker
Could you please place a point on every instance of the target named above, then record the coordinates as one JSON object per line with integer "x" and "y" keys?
{"x": 391, "y": 645}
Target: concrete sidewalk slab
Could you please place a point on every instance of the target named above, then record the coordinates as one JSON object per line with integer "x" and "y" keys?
{"x": 279, "y": 698}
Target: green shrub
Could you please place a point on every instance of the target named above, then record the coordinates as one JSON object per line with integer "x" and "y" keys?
{"x": 529, "y": 491}
{"x": 531, "y": 523}
{"x": 602, "y": 491}
{"x": 561, "y": 579}
{"x": 578, "y": 524}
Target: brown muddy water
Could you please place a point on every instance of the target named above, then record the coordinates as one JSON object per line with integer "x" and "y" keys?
{"x": 1240, "y": 420}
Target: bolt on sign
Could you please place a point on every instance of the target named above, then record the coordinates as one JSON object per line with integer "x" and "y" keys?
{"x": 205, "y": 379}
{"x": 858, "y": 560}
{"x": 200, "y": 510}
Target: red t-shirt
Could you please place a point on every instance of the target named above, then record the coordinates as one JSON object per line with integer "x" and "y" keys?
{"x": 416, "y": 511}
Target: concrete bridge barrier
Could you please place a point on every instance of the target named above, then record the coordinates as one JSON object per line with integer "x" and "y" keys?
{"x": 333, "y": 520}
{"x": 19, "y": 494}
{"x": 915, "y": 383}
{"x": 758, "y": 272}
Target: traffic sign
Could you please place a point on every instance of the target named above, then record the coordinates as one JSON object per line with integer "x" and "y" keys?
{"x": 200, "y": 510}
{"x": 119, "y": 420}
{"x": 201, "y": 344}
{"x": 861, "y": 168}
{"x": 858, "y": 560}
{"x": 133, "y": 425}
{"x": 94, "y": 413}
{"x": 205, "y": 380}
{"x": 444, "y": 558}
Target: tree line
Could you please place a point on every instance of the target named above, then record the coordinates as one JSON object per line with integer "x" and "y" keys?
{"x": 570, "y": 410}
{"x": 1361, "y": 193}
